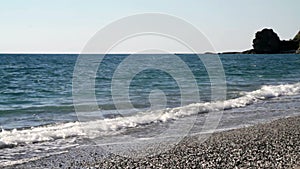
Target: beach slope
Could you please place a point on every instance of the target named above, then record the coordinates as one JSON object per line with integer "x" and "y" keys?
{"x": 271, "y": 145}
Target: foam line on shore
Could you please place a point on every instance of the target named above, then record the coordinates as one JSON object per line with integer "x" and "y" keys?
{"x": 112, "y": 126}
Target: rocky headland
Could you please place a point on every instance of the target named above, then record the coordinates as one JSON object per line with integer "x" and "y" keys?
{"x": 267, "y": 41}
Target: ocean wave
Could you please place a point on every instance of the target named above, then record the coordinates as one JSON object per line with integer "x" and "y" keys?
{"x": 117, "y": 124}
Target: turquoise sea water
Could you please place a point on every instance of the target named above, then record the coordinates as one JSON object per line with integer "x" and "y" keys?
{"x": 37, "y": 89}
{"x": 36, "y": 92}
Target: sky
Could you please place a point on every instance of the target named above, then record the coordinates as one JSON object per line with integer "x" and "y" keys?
{"x": 65, "y": 26}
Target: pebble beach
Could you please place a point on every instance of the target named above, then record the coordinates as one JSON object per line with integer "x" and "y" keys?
{"x": 274, "y": 144}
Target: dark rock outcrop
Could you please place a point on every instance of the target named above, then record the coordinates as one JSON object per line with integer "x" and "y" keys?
{"x": 288, "y": 46}
{"x": 266, "y": 41}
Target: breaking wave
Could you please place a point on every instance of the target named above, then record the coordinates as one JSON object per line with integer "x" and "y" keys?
{"x": 116, "y": 125}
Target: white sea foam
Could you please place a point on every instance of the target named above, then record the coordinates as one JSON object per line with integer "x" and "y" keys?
{"x": 104, "y": 127}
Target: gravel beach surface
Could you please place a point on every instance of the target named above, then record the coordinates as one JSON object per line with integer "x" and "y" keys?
{"x": 271, "y": 145}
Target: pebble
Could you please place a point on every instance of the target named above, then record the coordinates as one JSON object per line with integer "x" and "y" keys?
{"x": 270, "y": 145}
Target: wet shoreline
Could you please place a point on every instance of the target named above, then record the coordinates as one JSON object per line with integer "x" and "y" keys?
{"x": 274, "y": 144}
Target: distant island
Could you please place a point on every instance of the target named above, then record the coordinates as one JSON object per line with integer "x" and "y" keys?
{"x": 267, "y": 41}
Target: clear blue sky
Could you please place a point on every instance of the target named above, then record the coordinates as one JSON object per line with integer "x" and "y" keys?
{"x": 54, "y": 26}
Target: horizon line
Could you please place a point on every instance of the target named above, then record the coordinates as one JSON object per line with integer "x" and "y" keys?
{"x": 69, "y": 53}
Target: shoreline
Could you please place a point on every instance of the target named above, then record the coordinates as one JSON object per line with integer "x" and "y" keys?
{"x": 274, "y": 144}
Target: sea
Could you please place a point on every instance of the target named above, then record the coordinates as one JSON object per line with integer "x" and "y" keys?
{"x": 39, "y": 115}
